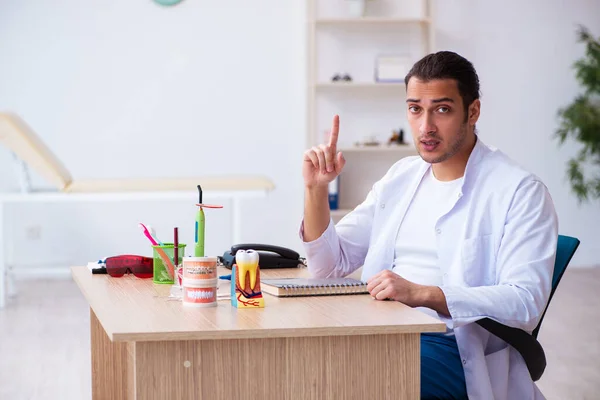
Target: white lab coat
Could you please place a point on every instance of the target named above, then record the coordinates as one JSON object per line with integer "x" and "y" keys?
{"x": 496, "y": 247}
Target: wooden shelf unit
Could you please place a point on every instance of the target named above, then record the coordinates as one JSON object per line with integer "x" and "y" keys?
{"x": 327, "y": 26}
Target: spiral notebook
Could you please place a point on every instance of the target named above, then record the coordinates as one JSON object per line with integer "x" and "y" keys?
{"x": 288, "y": 287}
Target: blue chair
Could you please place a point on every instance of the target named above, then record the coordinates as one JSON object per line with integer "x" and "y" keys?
{"x": 523, "y": 342}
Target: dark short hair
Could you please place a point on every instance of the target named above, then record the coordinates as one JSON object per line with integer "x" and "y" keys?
{"x": 448, "y": 65}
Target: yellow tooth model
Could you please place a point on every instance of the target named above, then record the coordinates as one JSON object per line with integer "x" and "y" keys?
{"x": 245, "y": 281}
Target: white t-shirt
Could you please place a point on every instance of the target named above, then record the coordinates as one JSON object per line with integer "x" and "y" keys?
{"x": 415, "y": 255}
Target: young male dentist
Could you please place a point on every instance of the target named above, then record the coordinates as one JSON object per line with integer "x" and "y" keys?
{"x": 460, "y": 231}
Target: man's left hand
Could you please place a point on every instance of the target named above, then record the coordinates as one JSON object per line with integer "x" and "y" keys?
{"x": 389, "y": 285}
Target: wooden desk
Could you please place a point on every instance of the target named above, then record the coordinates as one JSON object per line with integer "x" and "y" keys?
{"x": 147, "y": 346}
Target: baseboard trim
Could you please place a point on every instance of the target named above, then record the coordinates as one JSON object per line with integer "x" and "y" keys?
{"x": 583, "y": 266}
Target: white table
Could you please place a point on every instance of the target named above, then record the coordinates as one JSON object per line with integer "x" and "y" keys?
{"x": 236, "y": 196}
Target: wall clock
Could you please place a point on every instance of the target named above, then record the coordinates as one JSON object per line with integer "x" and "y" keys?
{"x": 167, "y": 2}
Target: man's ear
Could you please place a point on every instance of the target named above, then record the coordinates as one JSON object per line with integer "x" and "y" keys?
{"x": 474, "y": 110}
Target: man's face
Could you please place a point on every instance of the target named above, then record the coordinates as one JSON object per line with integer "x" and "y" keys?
{"x": 437, "y": 118}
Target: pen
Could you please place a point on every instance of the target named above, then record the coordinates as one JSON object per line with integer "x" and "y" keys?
{"x": 175, "y": 249}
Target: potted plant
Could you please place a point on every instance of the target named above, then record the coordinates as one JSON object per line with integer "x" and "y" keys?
{"x": 580, "y": 120}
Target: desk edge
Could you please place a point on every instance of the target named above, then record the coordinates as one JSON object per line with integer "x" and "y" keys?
{"x": 255, "y": 334}
{"x": 108, "y": 331}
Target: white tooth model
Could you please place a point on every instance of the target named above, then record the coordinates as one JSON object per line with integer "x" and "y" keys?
{"x": 245, "y": 281}
{"x": 247, "y": 262}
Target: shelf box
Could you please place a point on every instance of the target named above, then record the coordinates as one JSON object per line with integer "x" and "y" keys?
{"x": 391, "y": 68}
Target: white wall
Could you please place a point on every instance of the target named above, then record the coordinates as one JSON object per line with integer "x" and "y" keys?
{"x": 90, "y": 77}
{"x": 523, "y": 52}
{"x": 134, "y": 89}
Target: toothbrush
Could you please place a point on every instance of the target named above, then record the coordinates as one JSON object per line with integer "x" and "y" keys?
{"x": 163, "y": 256}
{"x": 153, "y": 234}
{"x": 147, "y": 234}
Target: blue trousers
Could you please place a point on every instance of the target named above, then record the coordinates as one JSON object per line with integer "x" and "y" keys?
{"x": 442, "y": 375}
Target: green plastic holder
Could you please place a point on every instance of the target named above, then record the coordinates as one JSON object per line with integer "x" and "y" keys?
{"x": 161, "y": 272}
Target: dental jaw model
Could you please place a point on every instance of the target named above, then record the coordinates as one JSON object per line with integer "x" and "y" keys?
{"x": 245, "y": 281}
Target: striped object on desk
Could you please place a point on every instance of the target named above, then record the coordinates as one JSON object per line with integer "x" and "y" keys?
{"x": 288, "y": 287}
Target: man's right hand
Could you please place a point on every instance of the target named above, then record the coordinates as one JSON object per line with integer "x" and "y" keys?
{"x": 323, "y": 163}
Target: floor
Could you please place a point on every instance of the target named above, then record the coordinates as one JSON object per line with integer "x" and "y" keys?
{"x": 45, "y": 350}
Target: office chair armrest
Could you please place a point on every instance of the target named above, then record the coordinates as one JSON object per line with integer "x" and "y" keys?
{"x": 530, "y": 349}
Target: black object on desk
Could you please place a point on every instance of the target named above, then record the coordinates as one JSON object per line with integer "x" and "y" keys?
{"x": 270, "y": 256}
{"x": 99, "y": 270}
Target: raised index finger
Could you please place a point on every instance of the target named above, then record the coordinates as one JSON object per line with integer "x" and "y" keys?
{"x": 335, "y": 130}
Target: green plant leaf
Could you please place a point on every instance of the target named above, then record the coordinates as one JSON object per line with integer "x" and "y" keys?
{"x": 580, "y": 121}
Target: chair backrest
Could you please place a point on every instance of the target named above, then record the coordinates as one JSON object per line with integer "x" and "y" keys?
{"x": 565, "y": 249}
{"x": 19, "y": 138}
